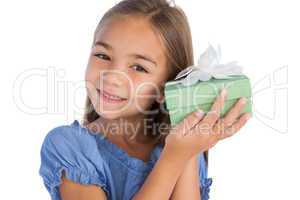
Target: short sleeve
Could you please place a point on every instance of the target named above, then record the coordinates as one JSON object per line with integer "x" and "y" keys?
{"x": 67, "y": 149}
{"x": 205, "y": 182}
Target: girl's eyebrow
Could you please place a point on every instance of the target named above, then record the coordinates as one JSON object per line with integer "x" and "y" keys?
{"x": 144, "y": 58}
{"x": 105, "y": 45}
{"x": 109, "y": 47}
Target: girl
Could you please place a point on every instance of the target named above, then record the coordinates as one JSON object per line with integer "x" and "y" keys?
{"x": 121, "y": 151}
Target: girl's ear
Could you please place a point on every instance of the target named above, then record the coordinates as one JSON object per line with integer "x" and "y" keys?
{"x": 160, "y": 99}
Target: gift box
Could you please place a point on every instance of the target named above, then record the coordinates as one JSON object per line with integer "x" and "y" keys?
{"x": 203, "y": 83}
{"x": 181, "y": 99}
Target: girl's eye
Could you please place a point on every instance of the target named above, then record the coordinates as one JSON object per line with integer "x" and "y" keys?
{"x": 137, "y": 67}
{"x": 102, "y": 56}
{"x": 140, "y": 68}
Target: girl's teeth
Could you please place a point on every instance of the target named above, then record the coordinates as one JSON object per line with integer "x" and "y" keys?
{"x": 112, "y": 97}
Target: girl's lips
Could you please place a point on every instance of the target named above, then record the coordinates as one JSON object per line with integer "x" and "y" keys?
{"x": 109, "y": 98}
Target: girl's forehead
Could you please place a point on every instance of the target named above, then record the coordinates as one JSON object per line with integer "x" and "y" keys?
{"x": 131, "y": 34}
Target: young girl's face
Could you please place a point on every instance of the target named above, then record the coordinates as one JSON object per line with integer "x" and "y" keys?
{"x": 128, "y": 61}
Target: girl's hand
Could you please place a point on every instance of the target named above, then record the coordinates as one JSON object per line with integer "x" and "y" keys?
{"x": 198, "y": 132}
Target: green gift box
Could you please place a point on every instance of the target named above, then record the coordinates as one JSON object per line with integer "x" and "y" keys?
{"x": 182, "y": 100}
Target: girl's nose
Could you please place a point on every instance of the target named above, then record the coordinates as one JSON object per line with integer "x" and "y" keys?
{"x": 114, "y": 76}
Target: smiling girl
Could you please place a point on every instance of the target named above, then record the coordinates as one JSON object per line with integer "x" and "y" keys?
{"x": 125, "y": 148}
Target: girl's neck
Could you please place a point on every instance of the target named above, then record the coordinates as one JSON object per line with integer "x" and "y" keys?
{"x": 129, "y": 131}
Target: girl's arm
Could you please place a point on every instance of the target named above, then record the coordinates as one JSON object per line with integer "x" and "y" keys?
{"x": 190, "y": 137}
{"x": 70, "y": 190}
{"x": 163, "y": 177}
{"x": 187, "y": 186}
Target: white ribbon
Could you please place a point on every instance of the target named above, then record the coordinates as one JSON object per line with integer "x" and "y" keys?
{"x": 209, "y": 67}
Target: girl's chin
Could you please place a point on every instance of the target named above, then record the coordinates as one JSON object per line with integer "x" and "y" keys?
{"x": 109, "y": 115}
{"x": 110, "y": 111}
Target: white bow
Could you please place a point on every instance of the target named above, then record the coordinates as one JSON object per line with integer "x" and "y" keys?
{"x": 209, "y": 66}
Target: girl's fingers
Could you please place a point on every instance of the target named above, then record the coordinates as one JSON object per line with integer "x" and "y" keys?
{"x": 219, "y": 127}
{"x": 235, "y": 127}
{"x": 213, "y": 115}
{"x": 189, "y": 121}
{"x": 234, "y": 112}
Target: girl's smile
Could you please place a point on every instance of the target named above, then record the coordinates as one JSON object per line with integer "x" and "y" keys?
{"x": 109, "y": 98}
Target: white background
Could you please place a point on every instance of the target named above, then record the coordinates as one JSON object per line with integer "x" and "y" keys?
{"x": 45, "y": 37}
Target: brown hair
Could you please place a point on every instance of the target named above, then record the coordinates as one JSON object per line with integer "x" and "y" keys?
{"x": 171, "y": 25}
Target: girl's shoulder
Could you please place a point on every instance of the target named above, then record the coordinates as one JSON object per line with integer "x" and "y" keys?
{"x": 70, "y": 137}
{"x": 72, "y": 149}
{"x": 73, "y": 142}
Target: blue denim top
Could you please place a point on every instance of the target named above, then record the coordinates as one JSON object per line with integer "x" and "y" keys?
{"x": 90, "y": 158}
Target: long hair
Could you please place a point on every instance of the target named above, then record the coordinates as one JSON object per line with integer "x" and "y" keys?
{"x": 171, "y": 25}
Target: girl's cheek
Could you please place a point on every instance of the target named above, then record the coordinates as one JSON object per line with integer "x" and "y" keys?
{"x": 144, "y": 94}
{"x": 89, "y": 73}
{"x": 97, "y": 64}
